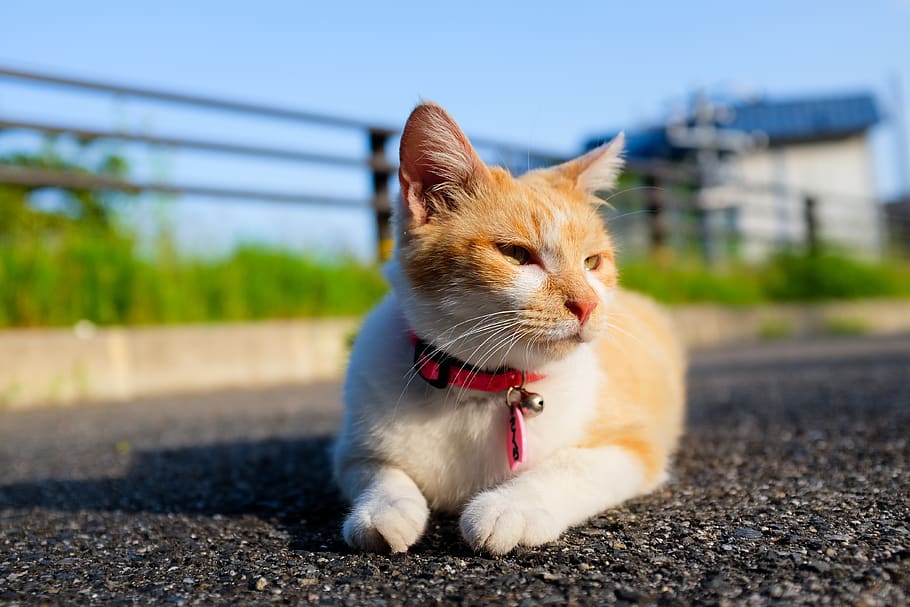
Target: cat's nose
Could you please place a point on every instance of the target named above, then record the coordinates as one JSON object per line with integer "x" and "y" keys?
{"x": 581, "y": 309}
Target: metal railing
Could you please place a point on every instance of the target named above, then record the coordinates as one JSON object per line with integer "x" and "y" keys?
{"x": 664, "y": 195}
{"x": 376, "y": 162}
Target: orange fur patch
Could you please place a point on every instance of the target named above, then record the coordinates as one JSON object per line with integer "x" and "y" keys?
{"x": 642, "y": 402}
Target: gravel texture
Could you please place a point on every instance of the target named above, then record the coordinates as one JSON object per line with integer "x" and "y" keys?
{"x": 791, "y": 487}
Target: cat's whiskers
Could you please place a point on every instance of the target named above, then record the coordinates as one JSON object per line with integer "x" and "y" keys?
{"x": 508, "y": 347}
{"x": 480, "y": 347}
{"x": 528, "y": 349}
{"x": 509, "y": 341}
{"x": 418, "y": 366}
{"x": 634, "y": 189}
{"x": 478, "y": 325}
{"x": 615, "y": 342}
{"x": 481, "y": 318}
{"x": 622, "y": 332}
{"x": 482, "y": 357}
{"x": 476, "y": 367}
{"x": 473, "y": 331}
{"x": 479, "y": 328}
{"x": 629, "y": 334}
{"x": 505, "y": 347}
{"x": 612, "y": 220}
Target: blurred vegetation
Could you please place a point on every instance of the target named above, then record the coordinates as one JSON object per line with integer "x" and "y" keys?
{"x": 786, "y": 277}
{"x": 106, "y": 280}
{"x": 81, "y": 274}
{"x": 775, "y": 328}
{"x": 71, "y": 258}
{"x": 831, "y": 274}
{"x": 68, "y": 257}
{"x": 74, "y": 209}
{"x": 847, "y": 326}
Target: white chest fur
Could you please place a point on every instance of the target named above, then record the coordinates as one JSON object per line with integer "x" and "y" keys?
{"x": 452, "y": 442}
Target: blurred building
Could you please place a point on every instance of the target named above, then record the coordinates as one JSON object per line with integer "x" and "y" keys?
{"x": 773, "y": 172}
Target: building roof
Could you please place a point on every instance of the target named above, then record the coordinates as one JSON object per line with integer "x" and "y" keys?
{"x": 780, "y": 121}
{"x": 806, "y": 119}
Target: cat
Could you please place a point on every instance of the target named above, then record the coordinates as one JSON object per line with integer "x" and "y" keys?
{"x": 504, "y": 301}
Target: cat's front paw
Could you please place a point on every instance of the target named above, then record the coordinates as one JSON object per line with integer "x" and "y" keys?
{"x": 495, "y": 522}
{"x": 382, "y": 524}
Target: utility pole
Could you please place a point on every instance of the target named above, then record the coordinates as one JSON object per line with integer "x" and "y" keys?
{"x": 382, "y": 200}
{"x": 902, "y": 154}
{"x": 810, "y": 218}
{"x": 657, "y": 229}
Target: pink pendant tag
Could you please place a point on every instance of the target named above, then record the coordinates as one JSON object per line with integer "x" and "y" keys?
{"x": 515, "y": 439}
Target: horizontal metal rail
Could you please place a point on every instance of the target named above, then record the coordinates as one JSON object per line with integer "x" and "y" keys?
{"x": 375, "y": 160}
{"x": 199, "y": 144}
{"x": 668, "y": 172}
{"x": 241, "y": 107}
{"x": 665, "y": 171}
{"x": 197, "y": 100}
{"x": 59, "y": 179}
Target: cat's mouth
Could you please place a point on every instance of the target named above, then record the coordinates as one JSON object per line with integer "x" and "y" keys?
{"x": 576, "y": 338}
{"x": 563, "y": 336}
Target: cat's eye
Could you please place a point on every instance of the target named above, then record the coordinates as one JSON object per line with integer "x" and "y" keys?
{"x": 515, "y": 254}
{"x": 592, "y": 262}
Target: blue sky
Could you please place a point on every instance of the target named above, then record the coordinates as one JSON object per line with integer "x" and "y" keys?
{"x": 541, "y": 74}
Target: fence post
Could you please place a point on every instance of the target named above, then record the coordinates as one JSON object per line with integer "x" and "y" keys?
{"x": 381, "y": 170}
{"x": 810, "y": 216}
{"x": 657, "y": 230}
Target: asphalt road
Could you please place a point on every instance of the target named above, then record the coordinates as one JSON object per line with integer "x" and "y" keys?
{"x": 792, "y": 486}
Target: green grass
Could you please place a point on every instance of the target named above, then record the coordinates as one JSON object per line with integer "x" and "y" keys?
{"x": 846, "y": 326}
{"x": 687, "y": 282}
{"x": 828, "y": 275}
{"x": 833, "y": 275}
{"x": 775, "y": 328}
{"x": 100, "y": 276}
{"x": 80, "y": 275}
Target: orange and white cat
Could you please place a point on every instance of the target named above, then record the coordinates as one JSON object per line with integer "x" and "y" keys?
{"x": 497, "y": 279}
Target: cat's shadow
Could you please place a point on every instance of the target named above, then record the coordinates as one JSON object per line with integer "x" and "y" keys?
{"x": 285, "y": 481}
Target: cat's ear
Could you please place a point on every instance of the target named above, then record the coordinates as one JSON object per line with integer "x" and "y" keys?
{"x": 438, "y": 164}
{"x": 596, "y": 170}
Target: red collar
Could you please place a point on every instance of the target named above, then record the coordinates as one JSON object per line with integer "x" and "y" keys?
{"x": 441, "y": 370}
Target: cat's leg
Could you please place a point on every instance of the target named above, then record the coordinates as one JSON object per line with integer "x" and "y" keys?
{"x": 567, "y": 488}
{"x": 389, "y": 513}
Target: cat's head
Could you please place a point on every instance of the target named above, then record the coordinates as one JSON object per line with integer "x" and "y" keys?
{"x": 496, "y": 270}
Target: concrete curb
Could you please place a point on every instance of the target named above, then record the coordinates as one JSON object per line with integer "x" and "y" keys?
{"x": 65, "y": 366}
{"x": 705, "y": 325}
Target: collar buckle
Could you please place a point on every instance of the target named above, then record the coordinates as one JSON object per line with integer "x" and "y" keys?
{"x": 424, "y": 352}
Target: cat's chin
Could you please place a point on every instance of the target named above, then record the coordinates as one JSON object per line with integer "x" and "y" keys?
{"x": 557, "y": 349}
{"x": 573, "y": 338}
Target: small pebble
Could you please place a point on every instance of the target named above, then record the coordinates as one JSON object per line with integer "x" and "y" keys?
{"x": 747, "y": 532}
